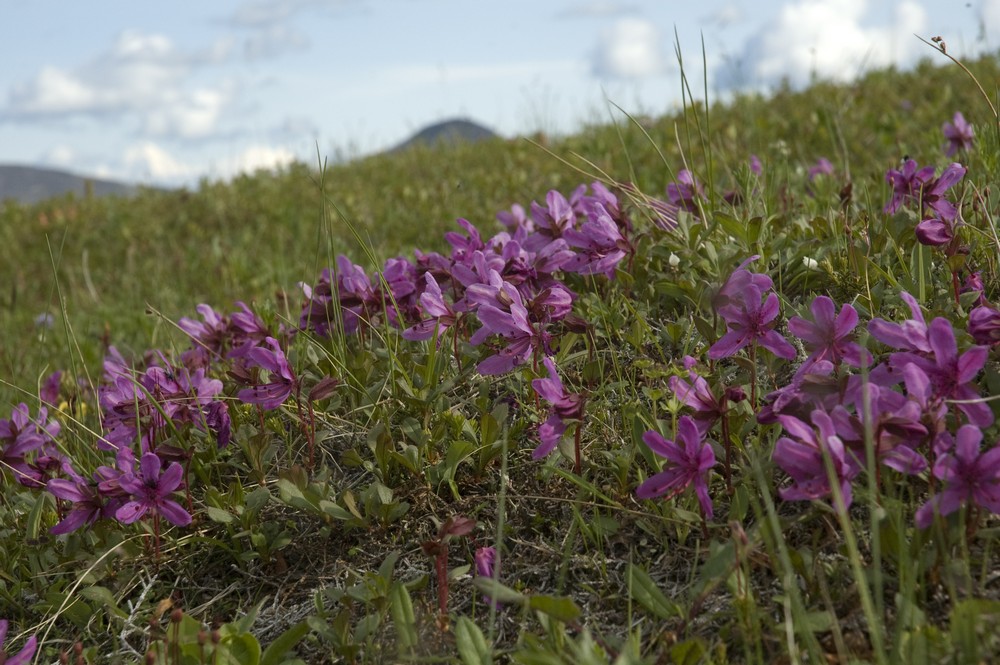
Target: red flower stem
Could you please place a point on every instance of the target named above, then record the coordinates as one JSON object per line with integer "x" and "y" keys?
{"x": 441, "y": 566}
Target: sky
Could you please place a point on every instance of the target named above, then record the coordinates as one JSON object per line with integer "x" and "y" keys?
{"x": 171, "y": 93}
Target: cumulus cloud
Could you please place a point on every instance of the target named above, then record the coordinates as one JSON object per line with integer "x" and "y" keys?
{"x": 989, "y": 14}
{"x": 149, "y": 162}
{"x": 598, "y": 9}
{"x": 142, "y": 78}
{"x": 826, "y": 38}
{"x": 631, "y": 48}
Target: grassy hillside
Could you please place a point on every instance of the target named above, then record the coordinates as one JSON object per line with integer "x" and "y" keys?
{"x": 337, "y": 488}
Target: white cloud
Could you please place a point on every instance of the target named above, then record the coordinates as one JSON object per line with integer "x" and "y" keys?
{"x": 60, "y": 155}
{"x": 989, "y": 15}
{"x": 259, "y": 157}
{"x": 826, "y": 38}
{"x": 149, "y": 162}
{"x": 631, "y": 48}
{"x": 598, "y": 9}
{"x": 142, "y": 78}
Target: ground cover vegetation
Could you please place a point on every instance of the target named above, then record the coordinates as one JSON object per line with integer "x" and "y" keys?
{"x": 713, "y": 387}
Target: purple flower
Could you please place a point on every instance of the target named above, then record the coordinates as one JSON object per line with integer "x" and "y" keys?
{"x": 49, "y": 392}
{"x": 599, "y": 242}
{"x": 486, "y": 559}
{"x": 935, "y": 232}
{"x": 21, "y": 436}
{"x": 802, "y": 458}
{"x": 829, "y": 336}
{"x": 150, "y": 492}
{"x": 932, "y": 193}
{"x": 88, "y": 503}
{"x": 685, "y": 192}
{"x": 440, "y": 315}
{"x": 282, "y": 382}
{"x": 564, "y": 406}
{"x": 968, "y": 474}
{"x": 751, "y": 323}
{"x": 707, "y": 407}
{"x": 952, "y": 374}
{"x": 959, "y": 133}
{"x": 755, "y": 165}
{"x": 906, "y": 184}
{"x": 822, "y": 167}
{"x": 691, "y": 457}
{"x": 910, "y": 335}
{"x": 984, "y": 325}
{"x": 522, "y": 335}
{"x": 22, "y": 657}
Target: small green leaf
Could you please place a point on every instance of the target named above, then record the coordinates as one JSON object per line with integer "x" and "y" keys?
{"x": 559, "y": 608}
{"x": 275, "y": 652}
{"x": 645, "y": 592}
{"x": 103, "y": 596}
{"x": 499, "y": 592}
{"x": 472, "y": 646}
{"x": 402, "y": 615}
{"x": 219, "y": 515}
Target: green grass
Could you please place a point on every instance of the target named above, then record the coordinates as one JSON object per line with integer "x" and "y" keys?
{"x": 328, "y": 560}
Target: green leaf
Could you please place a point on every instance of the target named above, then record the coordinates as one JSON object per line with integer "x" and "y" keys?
{"x": 402, "y": 615}
{"x": 499, "y": 592}
{"x": 240, "y": 649}
{"x": 275, "y": 652}
{"x": 472, "y": 646}
{"x": 559, "y": 608}
{"x": 645, "y": 592}
{"x": 103, "y": 596}
{"x": 219, "y": 515}
{"x": 42, "y": 503}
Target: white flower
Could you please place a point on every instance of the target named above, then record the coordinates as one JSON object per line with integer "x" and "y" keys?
{"x": 674, "y": 260}
{"x": 810, "y": 264}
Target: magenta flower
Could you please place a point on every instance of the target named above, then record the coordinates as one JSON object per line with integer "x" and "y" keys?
{"x": 486, "y": 559}
{"x": 564, "y": 406}
{"x": 439, "y": 315}
{"x": 691, "y": 457}
{"x": 282, "y": 382}
{"x": 984, "y": 325}
{"x": 88, "y": 503}
{"x": 829, "y": 336}
{"x": 910, "y": 335}
{"x": 969, "y": 476}
{"x": 959, "y": 134}
{"x": 751, "y": 323}
{"x": 685, "y": 192}
{"x": 150, "y": 492}
{"x": 906, "y": 184}
{"x": 523, "y": 337}
{"x": 599, "y": 243}
{"x": 802, "y": 458}
{"x": 22, "y": 657}
{"x": 823, "y": 166}
{"x": 935, "y": 232}
{"x": 952, "y": 374}
{"x": 756, "y": 167}
{"x": 932, "y": 193}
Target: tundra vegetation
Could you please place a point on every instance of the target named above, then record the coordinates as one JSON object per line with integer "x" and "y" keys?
{"x": 713, "y": 387}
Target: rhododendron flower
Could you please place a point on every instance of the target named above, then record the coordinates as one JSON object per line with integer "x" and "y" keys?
{"x": 440, "y": 315}
{"x": 830, "y": 335}
{"x": 564, "y": 406}
{"x": 952, "y": 374}
{"x": 969, "y": 476}
{"x": 22, "y": 657}
{"x": 910, "y": 335}
{"x": 959, "y": 133}
{"x": 932, "y": 194}
{"x": 802, "y": 458}
{"x": 823, "y": 166}
{"x": 691, "y": 459}
{"x": 599, "y": 243}
{"x": 89, "y": 505}
{"x": 282, "y": 382}
{"x": 935, "y": 232}
{"x": 486, "y": 559}
{"x": 685, "y": 192}
{"x": 906, "y": 184}
{"x": 750, "y": 323}
{"x": 984, "y": 325}
{"x": 150, "y": 492}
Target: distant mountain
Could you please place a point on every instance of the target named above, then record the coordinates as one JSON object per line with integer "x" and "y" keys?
{"x": 449, "y": 132}
{"x": 29, "y": 184}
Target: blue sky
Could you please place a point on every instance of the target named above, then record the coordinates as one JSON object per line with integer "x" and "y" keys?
{"x": 168, "y": 93}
